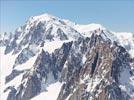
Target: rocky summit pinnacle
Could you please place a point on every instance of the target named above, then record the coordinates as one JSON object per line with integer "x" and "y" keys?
{"x": 55, "y": 59}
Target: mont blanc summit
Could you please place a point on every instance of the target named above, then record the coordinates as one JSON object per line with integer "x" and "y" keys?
{"x": 55, "y": 59}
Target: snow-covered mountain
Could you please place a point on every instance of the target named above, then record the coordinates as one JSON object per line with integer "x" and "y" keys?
{"x": 56, "y": 59}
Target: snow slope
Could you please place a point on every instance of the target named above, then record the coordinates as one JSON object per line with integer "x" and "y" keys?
{"x": 51, "y": 93}
{"x": 126, "y": 39}
{"x": 51, "y": 46}
{"x": 70, "y": 29}
{"x": 6, "y": 63}
{"x": 88, "y": 28}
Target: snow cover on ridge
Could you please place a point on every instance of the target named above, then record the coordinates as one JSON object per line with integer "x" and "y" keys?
{"x": 88, "y": 28}
{"x": 51, "y": 46}
{"x": 26, "y": 65}
{"x": 46, "y": 23}
{"x": 71, "y": 29}
{"x": 126, "y": 39}
{"x": 43, "y": 17}
{"x": 6, "y": 64}
{"x": 51, "y": 93}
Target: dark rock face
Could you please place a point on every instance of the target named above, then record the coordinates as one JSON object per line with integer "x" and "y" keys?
{"x": 94, "y": 63}
{"x": 61, "y": 34}
{"x": 13, "y": 75}
{"x": 45, "y": 64}
{"x": 61, "y": 55}
{"x": 33, "y": 87}
{"x": 90, "y": 68}
{"x": 100, "y": 73}
{"x": 25, "y": 55}
{"x": 74, "y": 66}
{"x": 11, "y": 93}
{"x": 48, "y": 34}
{"x": 111, "y": 90}
{"x": 10, "y": 46}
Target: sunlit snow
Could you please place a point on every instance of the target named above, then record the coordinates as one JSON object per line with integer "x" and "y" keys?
{"x": 51, "y": 93}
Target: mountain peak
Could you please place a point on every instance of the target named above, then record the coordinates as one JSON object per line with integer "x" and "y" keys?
{"x": 79, "y": 61}
{"x": 43, "y": 17}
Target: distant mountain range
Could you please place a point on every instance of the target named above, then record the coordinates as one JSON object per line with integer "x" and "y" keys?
{"x": 50, "y": 58}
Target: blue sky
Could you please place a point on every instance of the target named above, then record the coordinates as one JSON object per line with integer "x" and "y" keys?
{"x": 116, "y": 15}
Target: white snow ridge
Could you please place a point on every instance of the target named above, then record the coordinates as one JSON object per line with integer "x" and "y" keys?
{"x": 55, "y": 59}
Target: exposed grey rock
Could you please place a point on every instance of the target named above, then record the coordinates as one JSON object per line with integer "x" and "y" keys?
{"x": 100, "y": 58}
{"x": 45, "y": 64}
{"x": 24, "y": 56}
{"x": 10, "y": 46}
{"x": 11, "y": 93}
{"x": 61, "y": 34}
{"x": 89, "y": 68}
{"x": 12, "y": 75}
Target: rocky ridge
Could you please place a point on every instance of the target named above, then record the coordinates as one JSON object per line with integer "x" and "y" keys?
{"x": 89, "y": 65}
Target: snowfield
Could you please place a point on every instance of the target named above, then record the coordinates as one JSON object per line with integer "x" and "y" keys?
{"x": 6, "y": 63}
{"x": 33, "y": 49}
{"x": 51, "y": 93}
